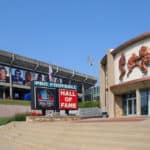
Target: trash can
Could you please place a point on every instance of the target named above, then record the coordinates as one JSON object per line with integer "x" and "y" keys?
{"x": 104, "y": 115}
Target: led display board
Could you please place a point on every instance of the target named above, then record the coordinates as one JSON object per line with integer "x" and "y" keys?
{"x": 55, "y": 96}
{"x": 45, "y": 98}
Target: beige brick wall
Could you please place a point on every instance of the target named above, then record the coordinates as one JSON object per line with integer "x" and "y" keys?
{"x": 111, "y": 81}
{"x": 102, "y": 87}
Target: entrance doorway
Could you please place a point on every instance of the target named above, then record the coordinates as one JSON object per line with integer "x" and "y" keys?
{"x": 131, "y": 106}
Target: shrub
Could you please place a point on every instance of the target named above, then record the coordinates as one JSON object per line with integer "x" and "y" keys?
{"x": 20, "y": 117}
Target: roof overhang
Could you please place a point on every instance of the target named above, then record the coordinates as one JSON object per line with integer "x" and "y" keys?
{"x": 125, "y": 87}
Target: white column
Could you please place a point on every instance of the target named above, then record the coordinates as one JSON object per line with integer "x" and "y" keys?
{"x": 69, "y": 81}
{"x": 10, "y": 83}
{"x": 4, "y": 95}
{"x": 83, "y": 93}
{"x": 138, "y": 102}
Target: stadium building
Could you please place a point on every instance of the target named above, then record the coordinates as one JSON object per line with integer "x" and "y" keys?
{"x": 17, "y": 72}
{"x": 125, "y": 78}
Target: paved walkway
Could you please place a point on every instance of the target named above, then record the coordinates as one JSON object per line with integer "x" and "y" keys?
{"x": 76, "y": 136}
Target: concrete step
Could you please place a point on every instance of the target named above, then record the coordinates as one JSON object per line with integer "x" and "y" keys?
{"x": 76, "y": 136}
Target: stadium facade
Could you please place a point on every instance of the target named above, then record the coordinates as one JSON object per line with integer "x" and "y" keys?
{"x": 17, "y": 72}
{"x": 125, "y": 78}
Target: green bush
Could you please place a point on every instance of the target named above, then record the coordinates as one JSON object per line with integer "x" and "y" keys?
{"x": 89, "y": 104}
{"x": 20, "y": 117}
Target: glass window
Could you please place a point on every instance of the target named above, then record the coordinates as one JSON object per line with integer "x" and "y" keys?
{"x": 144, "y": 102}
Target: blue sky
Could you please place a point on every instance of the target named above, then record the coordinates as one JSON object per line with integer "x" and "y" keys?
{"x": 66, "y": 32}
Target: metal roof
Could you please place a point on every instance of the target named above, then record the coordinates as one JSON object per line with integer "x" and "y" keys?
{"x": 22, "y": 62}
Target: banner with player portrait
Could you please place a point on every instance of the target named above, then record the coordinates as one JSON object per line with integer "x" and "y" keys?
{"x": 4, "y": 73}
{"x": 28, "y": 77}
{"x": 17, "y": 76}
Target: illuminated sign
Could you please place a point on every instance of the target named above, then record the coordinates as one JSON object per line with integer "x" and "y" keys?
{"x": 45, "y": 98}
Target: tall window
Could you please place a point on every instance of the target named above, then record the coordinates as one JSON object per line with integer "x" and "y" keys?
{"x": 144, "y": 102}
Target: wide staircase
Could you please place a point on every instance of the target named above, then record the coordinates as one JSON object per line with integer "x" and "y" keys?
{"x": 75, "y": 136}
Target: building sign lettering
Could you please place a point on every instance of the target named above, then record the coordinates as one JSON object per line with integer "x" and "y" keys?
{"x": 68, "y": 99}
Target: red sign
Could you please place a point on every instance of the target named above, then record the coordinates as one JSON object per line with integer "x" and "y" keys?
{"x": 68, "y": 99}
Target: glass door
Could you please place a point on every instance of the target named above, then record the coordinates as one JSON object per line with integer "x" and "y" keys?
{"x": 131, "y": 106}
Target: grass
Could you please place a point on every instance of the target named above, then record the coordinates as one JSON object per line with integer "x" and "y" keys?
{"x": 15, "y": 102}
{"x": 4, "y": 121}
{"x": 85, "y": 104}
{"x": 17, "y": 117}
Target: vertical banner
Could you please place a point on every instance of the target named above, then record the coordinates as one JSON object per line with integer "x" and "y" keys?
{"x": 27, "y": 77}
{"x": 50, "y": 73}
{"x": 3, "y": 73}
{"x": 17, "y": 76}
{"x": 68, "y": 99}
